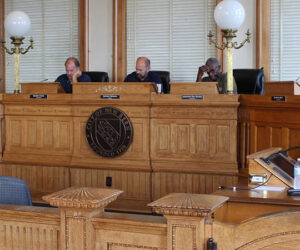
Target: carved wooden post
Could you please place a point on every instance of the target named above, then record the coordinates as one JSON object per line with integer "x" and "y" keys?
{"x": 189, "y": 218}
{"x": 77, "y": 208}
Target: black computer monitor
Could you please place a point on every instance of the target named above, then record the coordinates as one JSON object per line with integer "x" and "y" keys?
{"x": 281, "y": 165}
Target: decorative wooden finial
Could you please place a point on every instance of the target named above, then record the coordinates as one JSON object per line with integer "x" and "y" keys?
{"x": 82, "y": 197}
{"x": 199, "y": 205}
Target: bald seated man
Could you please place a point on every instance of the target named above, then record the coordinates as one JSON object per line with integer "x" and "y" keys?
{"x": 143, "y": 73}
{"x": 213, "y": 70}
{"x": 73, "y": 74}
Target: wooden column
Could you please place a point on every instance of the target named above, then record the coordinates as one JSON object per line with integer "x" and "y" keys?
{"x": 119, "y": 40}
{"x": 188, "y": 218}
{"x": 263, "y": 36}
{"x": 77, "y": 208}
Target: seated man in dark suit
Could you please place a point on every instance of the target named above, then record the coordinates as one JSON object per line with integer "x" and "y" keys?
{"x": 143, "y": 73}
{"x": 213, "y": 70}
{"x": 73, "y": 74}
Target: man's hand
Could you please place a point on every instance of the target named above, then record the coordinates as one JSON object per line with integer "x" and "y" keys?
{"x": 201, "y": 71}
{"x": 76, "y": 75}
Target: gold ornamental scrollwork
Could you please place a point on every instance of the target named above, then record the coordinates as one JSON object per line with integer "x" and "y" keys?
{"x": 109, "y": 89}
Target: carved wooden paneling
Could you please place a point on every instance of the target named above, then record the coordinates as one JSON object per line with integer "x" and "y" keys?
{"x": 28, "y": 236}
{"x": 113, "y": 235}
{"x": 38, "y": 139}
{"x": 192, "y": 138}
{"x": 13, "y": 133}
{"x": 40, "y": 179}
{"x": 164, "y": 183}
{"x": 202, "y": 139}
{"x": 243, "y": 143}
{"x": 202, "y": 145}
{"x": 23, "y": 227}
{"x": 31, "y": 134}
{"x": 136, "y": 185}
{"x": 222, "y": 139}
{"x": 274, "y": 135}
{"x": 38, "y": 134}
{"x": 47, "y": 130}
{"x": 180, "y": 232}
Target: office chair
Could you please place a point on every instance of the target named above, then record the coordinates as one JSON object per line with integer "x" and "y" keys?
{"x": 165, "y": 78}
{"x": 97, "y": 76}
{"x": 14, "y": 191}
{"x": 249, "y": 81}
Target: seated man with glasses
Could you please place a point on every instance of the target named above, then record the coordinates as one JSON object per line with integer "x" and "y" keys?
{"x": 213, "y": 69}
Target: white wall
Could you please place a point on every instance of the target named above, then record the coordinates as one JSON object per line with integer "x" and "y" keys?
{"x": 101, "y": 36}
{"x": 245, "y": 57}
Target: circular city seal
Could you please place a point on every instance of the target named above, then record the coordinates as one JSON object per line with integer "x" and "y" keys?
{"x": 109, "y": 132}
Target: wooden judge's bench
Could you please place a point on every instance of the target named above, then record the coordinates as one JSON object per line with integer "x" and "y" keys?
{"x": 182, "y": 142}
{"x": 190, "y": 141}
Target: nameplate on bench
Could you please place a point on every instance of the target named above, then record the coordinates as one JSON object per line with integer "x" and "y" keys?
{"x": 110, "y": 96}
{"x": 192, "y": 97}
{"x": 38, "y": 96}
{"x": 280, "y": 98}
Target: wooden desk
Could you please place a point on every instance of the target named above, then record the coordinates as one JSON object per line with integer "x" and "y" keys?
{"x": 264, "y": 123}
{"x": 41, "y": 88}
{"x": 179, "y": 145}
{"x": 245, "y": 204}
{"x": 279, "y": 88}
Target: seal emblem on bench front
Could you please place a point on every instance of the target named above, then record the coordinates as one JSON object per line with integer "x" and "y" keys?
{"x": 109, "y": 132}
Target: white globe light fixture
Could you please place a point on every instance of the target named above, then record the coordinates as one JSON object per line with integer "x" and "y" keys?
{"x": 229, "y": 16}
{"x": 17, "y": 24}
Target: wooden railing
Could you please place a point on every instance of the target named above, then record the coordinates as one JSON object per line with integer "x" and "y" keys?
{"x": 29, "y": 227}
{"x": 80, "y": 222}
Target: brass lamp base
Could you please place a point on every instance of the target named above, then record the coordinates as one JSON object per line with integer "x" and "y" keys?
{"x": 228, "y": 44}
{"x": 17, "y": 41}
